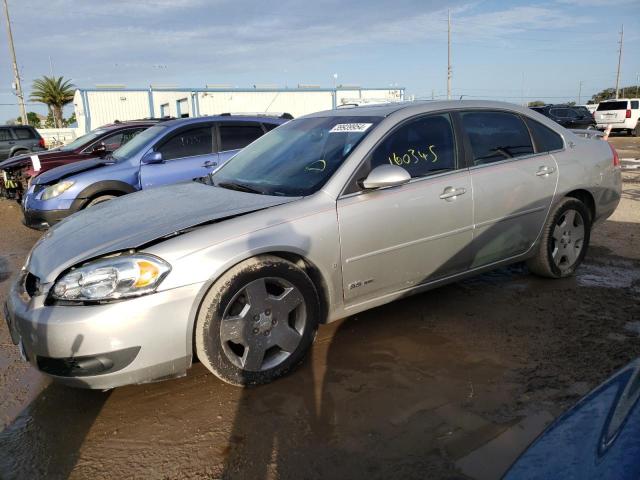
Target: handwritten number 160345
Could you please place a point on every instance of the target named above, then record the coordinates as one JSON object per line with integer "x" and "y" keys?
{"x": 413, "y": 156}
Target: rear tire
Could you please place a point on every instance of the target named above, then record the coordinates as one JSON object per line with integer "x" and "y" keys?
{"x": 257, "y": 322}
{"x": 564, "y": 241}
{"x": 99, "y": 199}
{"x": 636, "y": 131}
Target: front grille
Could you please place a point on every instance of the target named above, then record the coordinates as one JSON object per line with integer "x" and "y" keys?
{"x": 31, "y": 284}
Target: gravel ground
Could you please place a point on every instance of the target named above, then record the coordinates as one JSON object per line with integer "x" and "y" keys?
{"x": 453, "y": 383}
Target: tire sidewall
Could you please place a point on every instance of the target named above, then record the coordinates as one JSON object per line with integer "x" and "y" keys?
{"x": 568, "y": 204}
{"x": 99, "y": 199}
{"x": 207, "y": 329}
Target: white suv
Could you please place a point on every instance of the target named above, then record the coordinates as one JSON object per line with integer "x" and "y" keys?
{"x": 621, "y": 114}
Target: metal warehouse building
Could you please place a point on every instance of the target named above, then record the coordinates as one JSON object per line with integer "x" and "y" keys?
{"x": 99, "y": 106}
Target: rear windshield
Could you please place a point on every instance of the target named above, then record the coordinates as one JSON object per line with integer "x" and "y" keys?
{"x": 612, "y": 106}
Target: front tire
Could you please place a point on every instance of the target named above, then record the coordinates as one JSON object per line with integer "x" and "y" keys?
{"x": 564, "y": 242}
{"x": 257, "y": 321}
{"x": 99, "y": 199}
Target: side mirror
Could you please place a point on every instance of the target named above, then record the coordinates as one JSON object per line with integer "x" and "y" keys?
{"x": 152, "y": 157}
{"x": 99, "y": 149}
{"x": 386, "y": 176}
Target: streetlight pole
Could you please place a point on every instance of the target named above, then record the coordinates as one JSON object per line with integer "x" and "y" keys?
{"x": 619, "y": 61}
{"x": 448, "y": 54}
{"x": 16, "y": 72}
{"x": 580, "y": 92}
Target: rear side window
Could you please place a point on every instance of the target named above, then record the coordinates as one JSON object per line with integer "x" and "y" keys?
{"x": 24, "y": 133}
{"x": 546, "y": 140}
{"x": 233, "y": 137}
{"x": 187, "y": 143}
{"x": 421, "y": 146}
{"x": 496, "y": 136}
{"x": 635, "y": 104}
{"x": 612, "y": 106}
{"x": 5, "y": 134}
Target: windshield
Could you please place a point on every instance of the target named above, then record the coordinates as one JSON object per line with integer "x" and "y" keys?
{"x": 138, "y": 142}
{"x": 83, "y": 140}
{"x": 297, "y": 158}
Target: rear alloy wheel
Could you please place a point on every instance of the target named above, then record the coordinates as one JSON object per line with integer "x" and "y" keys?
{"x": 564, "y": 241}
{"x": 257, "y": 321}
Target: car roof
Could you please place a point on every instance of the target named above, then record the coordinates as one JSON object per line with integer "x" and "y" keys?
{"x": 225, "y": 119}
{"x": 384, "y": 110}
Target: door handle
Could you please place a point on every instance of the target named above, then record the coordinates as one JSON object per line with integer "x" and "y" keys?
{"x": 209, "y": 164}
{"x": 543, "y": 171}
{"x": 449, "y": 194}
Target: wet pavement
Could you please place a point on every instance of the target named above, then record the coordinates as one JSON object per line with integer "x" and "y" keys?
{"x": 453, "y": 383}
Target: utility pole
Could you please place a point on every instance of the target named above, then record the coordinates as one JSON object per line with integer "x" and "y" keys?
{"x": 448, "y": 54}
{"x": 637, "y": 83}
{"x": 580, "y": 92}
{"x": 619, "y": 60}
{"x": 16, "y": 72}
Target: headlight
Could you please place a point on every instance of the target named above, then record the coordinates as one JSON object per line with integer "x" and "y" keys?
{"x": 112, "y": 278}
{"x": 52, "y": 191}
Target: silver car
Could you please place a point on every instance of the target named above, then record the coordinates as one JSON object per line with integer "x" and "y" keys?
{"x": 324, "y": 217}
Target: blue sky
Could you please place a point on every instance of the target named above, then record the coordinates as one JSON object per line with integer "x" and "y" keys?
{"x": 552, "y": 44}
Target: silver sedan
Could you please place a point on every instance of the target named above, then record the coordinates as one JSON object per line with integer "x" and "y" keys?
{"x": 324, "y": 217}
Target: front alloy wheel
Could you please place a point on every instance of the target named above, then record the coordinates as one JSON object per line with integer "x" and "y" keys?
{"x": 257, "y": 321}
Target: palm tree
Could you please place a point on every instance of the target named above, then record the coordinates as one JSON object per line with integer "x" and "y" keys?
{"x": 55, "y": 93}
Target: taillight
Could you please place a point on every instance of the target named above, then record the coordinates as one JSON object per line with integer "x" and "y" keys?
{"x": 41, "y": 142}
{"x": 628, "y": 114}
{"x": 616, "y": 158}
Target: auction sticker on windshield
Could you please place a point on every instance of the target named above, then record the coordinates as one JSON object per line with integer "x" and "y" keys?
{"x": 350, "y": 127}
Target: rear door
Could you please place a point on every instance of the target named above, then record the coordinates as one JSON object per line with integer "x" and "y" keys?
{"x": 513, "y": 184}
{"x": 25, "y": 137}
{"x": 6, "y": 142}
{"x": 234, "y": 136}
{"x": 612, "y": 112}
{"x": 187, "y": 153}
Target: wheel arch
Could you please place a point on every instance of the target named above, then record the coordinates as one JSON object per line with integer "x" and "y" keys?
{"x": 107, "y": 187}
{"x": 585, "y": 197}
{"x": 292, "y": 256}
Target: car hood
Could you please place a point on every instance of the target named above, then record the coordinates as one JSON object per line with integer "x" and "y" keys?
{"x": 24, "y": 160}
{"x": 137, "y": 219}
{"x": 64, "y": 171}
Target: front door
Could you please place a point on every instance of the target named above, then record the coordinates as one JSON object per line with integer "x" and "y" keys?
{"x": 187, "y": 154}
{"x": 396, "y": 238}
{"x": 513, "y": 184}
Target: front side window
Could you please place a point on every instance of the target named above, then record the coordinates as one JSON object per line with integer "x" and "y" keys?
{"x": 187, "y": 143}
{"x": 234, "y": 137}
{"x": 115, "y": 141}
{"x": 23, "y": 133}
{"x": 496, "y": 136}
{"x": 546, "y": 139}
{"x": 421, "y": 147}
{"x": 297, "y": 158}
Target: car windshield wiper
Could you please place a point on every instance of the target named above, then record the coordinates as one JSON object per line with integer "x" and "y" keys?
{"x": 239, "y": 187}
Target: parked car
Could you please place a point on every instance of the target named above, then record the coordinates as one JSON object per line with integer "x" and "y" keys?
{"x": 21, "y": 169}
{"x": 169, "y": 152}
{"x": 18, "y": 140}
{"x": 599, "y": 438}
{"x": 324, "y": 217}
{"x": 568, "y": 116}
{"x": 622, "y": 114}
{"x": 591, "y": 107}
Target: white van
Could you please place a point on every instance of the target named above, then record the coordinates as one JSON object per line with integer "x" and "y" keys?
{"x": 622, "y": 114}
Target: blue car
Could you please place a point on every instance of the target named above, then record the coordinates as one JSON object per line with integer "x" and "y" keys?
{"x": 598, "y": 439}
{"x": 170, "y": 152}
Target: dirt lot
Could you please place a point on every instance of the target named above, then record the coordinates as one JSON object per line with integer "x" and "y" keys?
{"x": 453, "y": 383}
